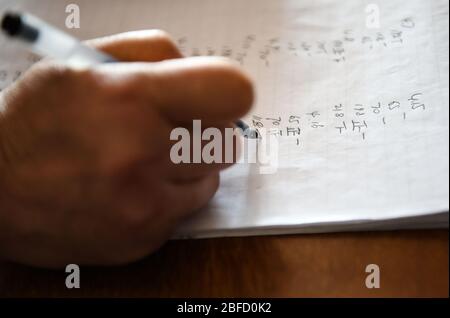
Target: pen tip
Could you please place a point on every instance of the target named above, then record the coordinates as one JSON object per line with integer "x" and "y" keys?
{"x": 251, "y": 134}
{"x": 247, "y": 132}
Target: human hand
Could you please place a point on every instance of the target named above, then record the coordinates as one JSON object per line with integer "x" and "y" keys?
{"x": 85, "y": 174}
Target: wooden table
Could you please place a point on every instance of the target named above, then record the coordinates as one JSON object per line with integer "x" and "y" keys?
{"x": 412, "y": 263}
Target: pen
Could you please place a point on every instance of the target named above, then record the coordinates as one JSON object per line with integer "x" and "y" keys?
{"x": 47, "y": 40}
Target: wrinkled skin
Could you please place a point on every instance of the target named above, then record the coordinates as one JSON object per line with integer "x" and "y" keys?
{"x": 85, "y": 173}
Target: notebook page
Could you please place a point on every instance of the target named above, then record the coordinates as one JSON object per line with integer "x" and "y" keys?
{"x": 361, "y": 113}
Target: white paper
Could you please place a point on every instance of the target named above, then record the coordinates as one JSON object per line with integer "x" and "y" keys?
{"x": 385, "y": 168}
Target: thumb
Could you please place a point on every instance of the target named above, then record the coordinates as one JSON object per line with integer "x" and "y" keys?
{"x": 138, "y": 46}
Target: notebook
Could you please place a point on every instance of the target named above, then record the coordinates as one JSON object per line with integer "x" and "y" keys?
{"x": 355, "y": 93}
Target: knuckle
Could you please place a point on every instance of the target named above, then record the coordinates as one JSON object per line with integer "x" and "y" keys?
{"x": 50, "y": 74}
{"x": 215, "y": 184}
{"x": 160, "y": 35}
{"x": 141, "y": 213}
{"x": 61, "y": 77}
{"x": 242, "y": 85}
{"x": 119, "y": 82}
{"x": 157, "y": 41}
{"x": 165, "y": 41}
{"x": 235, "y": 82}
{"x": 206, "y": 190}
{"x": 134, "y": 222}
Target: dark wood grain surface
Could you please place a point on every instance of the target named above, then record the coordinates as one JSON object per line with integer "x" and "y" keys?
{"x": 412, "y": 263}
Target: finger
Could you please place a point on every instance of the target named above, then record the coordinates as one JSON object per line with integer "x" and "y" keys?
{"x": 177, "y": 201}
{"x": 206, "y": 88}
{"x": 216, "y": 148}
{"x": 124, "y": 136}
{"x": 191, "y": 196}
{"x": 143, "y": 46}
